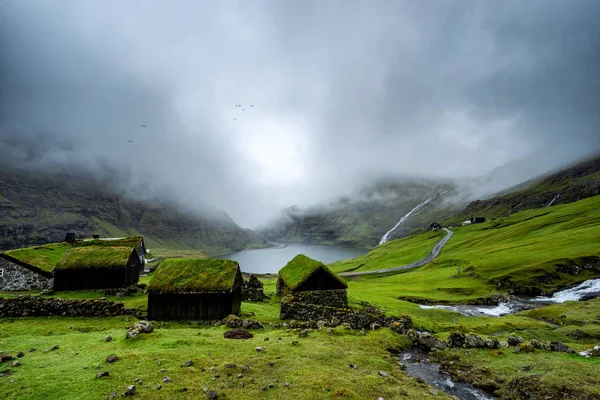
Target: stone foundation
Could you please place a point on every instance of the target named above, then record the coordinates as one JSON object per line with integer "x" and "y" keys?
{"x": 366, "y": 318}
{"x": 330, "y": 298}
{"x": 17, "y": 278}
{"x": 29, "y": 306}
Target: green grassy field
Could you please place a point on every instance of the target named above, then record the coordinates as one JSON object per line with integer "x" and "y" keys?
{"x": 527, "y": 248}
{"x": 392, "y": 254}
{"x": 523, "y": 248}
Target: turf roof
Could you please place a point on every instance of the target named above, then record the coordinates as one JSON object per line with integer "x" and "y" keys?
{"x": 132, "y": 241}
{"x": 300, "y": 268}
{"x": 42, "y": 257}
{"x": 178, "y": 275}
{"x": 95, "y": 257}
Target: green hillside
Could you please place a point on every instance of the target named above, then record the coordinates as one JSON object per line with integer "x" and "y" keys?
{"x": 40, "y": 208}
{"x": 571, "y": 184}
{"x": 529, "y": 253}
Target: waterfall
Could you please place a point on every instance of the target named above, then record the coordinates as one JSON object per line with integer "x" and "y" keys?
{"x": 553, "y": 200}
{"x": 389, "y": 233}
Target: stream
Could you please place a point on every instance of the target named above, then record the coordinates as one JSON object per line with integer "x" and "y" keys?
{"x": 418, "y": 366}
{"x": 585, "y": 290}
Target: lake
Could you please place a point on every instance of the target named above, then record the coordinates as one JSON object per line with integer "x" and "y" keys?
{"x": 272, "y": 259}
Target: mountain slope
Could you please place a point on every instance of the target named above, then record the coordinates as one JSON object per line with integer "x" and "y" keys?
{"x": 361, "y": 220}
{"x": 571, "y": 184}
{"x": 40, "y": 208}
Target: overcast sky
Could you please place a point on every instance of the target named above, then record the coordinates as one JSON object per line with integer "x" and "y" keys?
{"x": 342, "y": 91}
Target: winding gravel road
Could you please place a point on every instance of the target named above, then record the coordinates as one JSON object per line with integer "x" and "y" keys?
{"x": 430, "y": 257}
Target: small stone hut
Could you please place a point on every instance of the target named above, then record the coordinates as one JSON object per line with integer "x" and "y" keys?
{"x": 97, "y": 267}
{"x": 195, "y": 289}
{"x": 311, "y": 282}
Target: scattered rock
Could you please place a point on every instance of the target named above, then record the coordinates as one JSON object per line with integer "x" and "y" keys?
{"x": 20, "y": 354}
{"x": 108, "y": 338}
{"x": 112, "y": 358}
{"x": 266, "y": 339}
{"x": 295, "y": 343}
{"x": 260, "y": 349}
{"x": 456, "y": 339}
{"x": 238, "y": 333}
{"x": 217, "y": 375}
{"x": 383, "y": 374}
{"x": 245, "y": 368}
{"x": 188, "y": 363}
{"x": 433, "y": 392}
{"x": 212, "y": 395}
{"x": 163, "y": 370}
{"x": 558, "y": 346}
{"x": 514, "y": 340}
{"x": 474, "y": 341}
{"x": 595, "y": 352}
{"x": 5, "y": 357}
{"x": 159, "y": 387}
{"x": 353, "y": 366}
{"x": 233, "y": 321}
{"x": 230, "y": 365}
{"x": 16, "y": 363}
{"x": 113, "y": 395}
{"x": 303, "y": 333}
{"x": 166, "y": 379}
{"x": 492, "y": 343}
{"x": 138, "y": 328}
{"x": 102, "y": 374}
{"x": 263, "y": 388}
{"x": 55, "y": 347}
{"x": 286, "y": 384}
{"x": 31, "y": 350}
{"x": 130, "y": 391}
{"x": 271, "y": 363}
{"x": 240, "y": 376}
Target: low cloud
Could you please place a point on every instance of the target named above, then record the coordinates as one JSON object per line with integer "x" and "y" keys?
{"x": 333, "y": 95}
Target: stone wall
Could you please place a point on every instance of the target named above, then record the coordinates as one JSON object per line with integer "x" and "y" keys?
{"x": 331, "y": 298}
{"x": 34, "y": 306}
{"x": 15, "y": 277}
{"x": 367, "y": 317}
{"x": 252, "y": 289}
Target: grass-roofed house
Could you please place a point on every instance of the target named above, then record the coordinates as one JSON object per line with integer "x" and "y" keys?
{"x": 135, "y": 242}
{"x": 311, "y": 282}
{"x": 185, "y": 289}
{"x": 97, "y": 267}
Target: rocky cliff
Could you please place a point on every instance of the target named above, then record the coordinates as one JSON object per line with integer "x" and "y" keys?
{"x": 41, "y": 208}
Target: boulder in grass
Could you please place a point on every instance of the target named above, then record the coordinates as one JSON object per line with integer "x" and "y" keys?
{"x": 5, "y": 357}
{"x": 138, "y": 328}
{"x": 238, "y": 333}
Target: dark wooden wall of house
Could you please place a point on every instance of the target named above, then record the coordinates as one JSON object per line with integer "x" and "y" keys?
{"x": 320, "y": 280}
{"x": 193, "y": 306}
{"x": 96, "y": 278}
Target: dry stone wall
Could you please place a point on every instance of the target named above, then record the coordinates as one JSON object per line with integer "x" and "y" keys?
{"x": 330, "y": 298}
{"x": 34, "y": 306}
{"x": 14, "y": 277}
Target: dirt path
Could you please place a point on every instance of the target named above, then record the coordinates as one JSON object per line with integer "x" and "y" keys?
{"x": 430, "y": 257}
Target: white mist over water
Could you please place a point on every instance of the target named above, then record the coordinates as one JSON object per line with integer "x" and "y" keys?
{"x": 389, "y": 233}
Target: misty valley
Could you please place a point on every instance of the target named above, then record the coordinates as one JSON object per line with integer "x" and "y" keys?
{"x": 289, "y": 200}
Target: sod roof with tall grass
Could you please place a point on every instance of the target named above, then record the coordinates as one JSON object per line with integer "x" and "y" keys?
{"x": 194, "y": 275}
{"x": 95, "y": 257}
{"x": 300, "y": 268}
{"x": 132, "y": 241}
